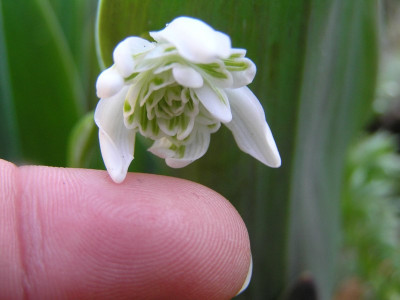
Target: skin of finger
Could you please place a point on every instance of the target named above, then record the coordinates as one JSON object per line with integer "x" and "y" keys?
{"x": 11, "y": 274}
{"x": 75, "y": 234}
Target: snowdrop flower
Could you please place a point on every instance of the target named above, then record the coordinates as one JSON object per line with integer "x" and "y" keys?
{"x": 176, "y": 91}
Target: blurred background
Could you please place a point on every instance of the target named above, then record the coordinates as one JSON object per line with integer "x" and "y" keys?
{"x": 323, "y": 226}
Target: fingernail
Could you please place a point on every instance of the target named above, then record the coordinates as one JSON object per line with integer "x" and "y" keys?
{"x": 248, "y": 278}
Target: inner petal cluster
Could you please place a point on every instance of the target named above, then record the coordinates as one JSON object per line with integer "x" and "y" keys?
{"x": 172, "y": 98}
{"x": 166, "y": 111}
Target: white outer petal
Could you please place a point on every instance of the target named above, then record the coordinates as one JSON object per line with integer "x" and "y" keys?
{"x": 193, "y": 151}
{"x": 116, "y": 141}
{"x": 196, "y": 149}
{"x": 242, "y": 78}
{"x": 109, "y": 83}
{"x": 195, "y": 40}
{"x": 187, "y": 76}
{"x": 217, "y": 106}
{"x": 239, "y": 51}
{"x": 161, "y": 148}
{"x": 124, "y": 52}
{"x": 249, "y": 127}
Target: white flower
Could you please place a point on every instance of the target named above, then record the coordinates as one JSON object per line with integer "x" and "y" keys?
{"x": 177, "y": 91}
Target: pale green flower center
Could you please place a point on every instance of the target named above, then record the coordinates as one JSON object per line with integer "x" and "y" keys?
{"x": 159, "y": 107}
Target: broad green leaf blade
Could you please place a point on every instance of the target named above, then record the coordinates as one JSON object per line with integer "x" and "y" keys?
{"x": 118, "y": 19}
{"x": 77, "y": 21}
{"x": 114, "y": 21}
{"x": 338, "y": 87}
{"x": 45, "y": 88}
{"x": 83, "y": 147}
{"x": 9, "y": 147}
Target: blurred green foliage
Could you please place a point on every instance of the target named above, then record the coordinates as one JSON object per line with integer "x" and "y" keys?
{"x": 48, "y": 69}
{"x": 317, "y": 68}
{"x": 371, "y": 207}
{"x": 371, "y": 195}
{"x": 43, "y": 93}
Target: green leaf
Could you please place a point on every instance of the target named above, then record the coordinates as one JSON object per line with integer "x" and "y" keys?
{"x": 338, "y": 87}
{"x": 77, "y": 21}
{"x": 10, "y": 148}
{"x": 370, "y": 216}
{"x": 83, "y": 146}
{"x": 316, "y": 63}
{"x": 45, "y": 94}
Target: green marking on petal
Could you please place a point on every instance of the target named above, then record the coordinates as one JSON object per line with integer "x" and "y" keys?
{"x": 184, "y": 121}
{"x": 173, "y": 147}
{"x": 179, "y": 150}
{"x": 143, "y": 119}
{"x": 150, "y": 100}
{"x": 158, "y": 81}
{"x": 187, "y": 95}
{"x": 127, "y": 106}
{"x": 212, "y": 69}
{"x": 163, "y": 108}
{"x": 235, "y": 55}
{"x": 171, "y": 124}
{"x": 154, "y": 127}
{"x": 130, "y": 118}
{"x": 132, "y": 76}
{"x": 169, "y": 49}
{"x": 176, "y": 106}
{"x": 144, "y": 91}
{"x": 190, "y": 105}
{"x": 220, "y": 96}
{"x": 233, "y": 65}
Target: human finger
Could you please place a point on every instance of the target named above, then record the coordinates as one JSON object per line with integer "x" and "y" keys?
{"x": 74, "y": 234}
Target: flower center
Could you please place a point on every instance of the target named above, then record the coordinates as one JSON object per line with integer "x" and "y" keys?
{"x": 165, "y": 108}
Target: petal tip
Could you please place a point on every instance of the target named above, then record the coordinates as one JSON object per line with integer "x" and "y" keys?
{"x": 124, "y": 52}
{"x": 250, "y": 129}
{"x": 118, "y": 177}
{"x": 195, "y": 40}
{"x": 177, "y": 163}
{"x": 248, "y": 278}
{"x": 109, "y": 83}
{"x": 277, "y": 162}
{"x": 226, "y": 118}
{"x": 187, "y": 77}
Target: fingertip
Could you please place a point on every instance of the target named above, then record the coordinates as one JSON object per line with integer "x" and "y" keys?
{"x": 149, "y": 237}
{"x": 11, "y": 268}
{"x": 202, "y": 234}
{"x": 6, "y": 167}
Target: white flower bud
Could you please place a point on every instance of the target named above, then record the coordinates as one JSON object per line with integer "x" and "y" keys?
{"x": 177, "y": 92}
